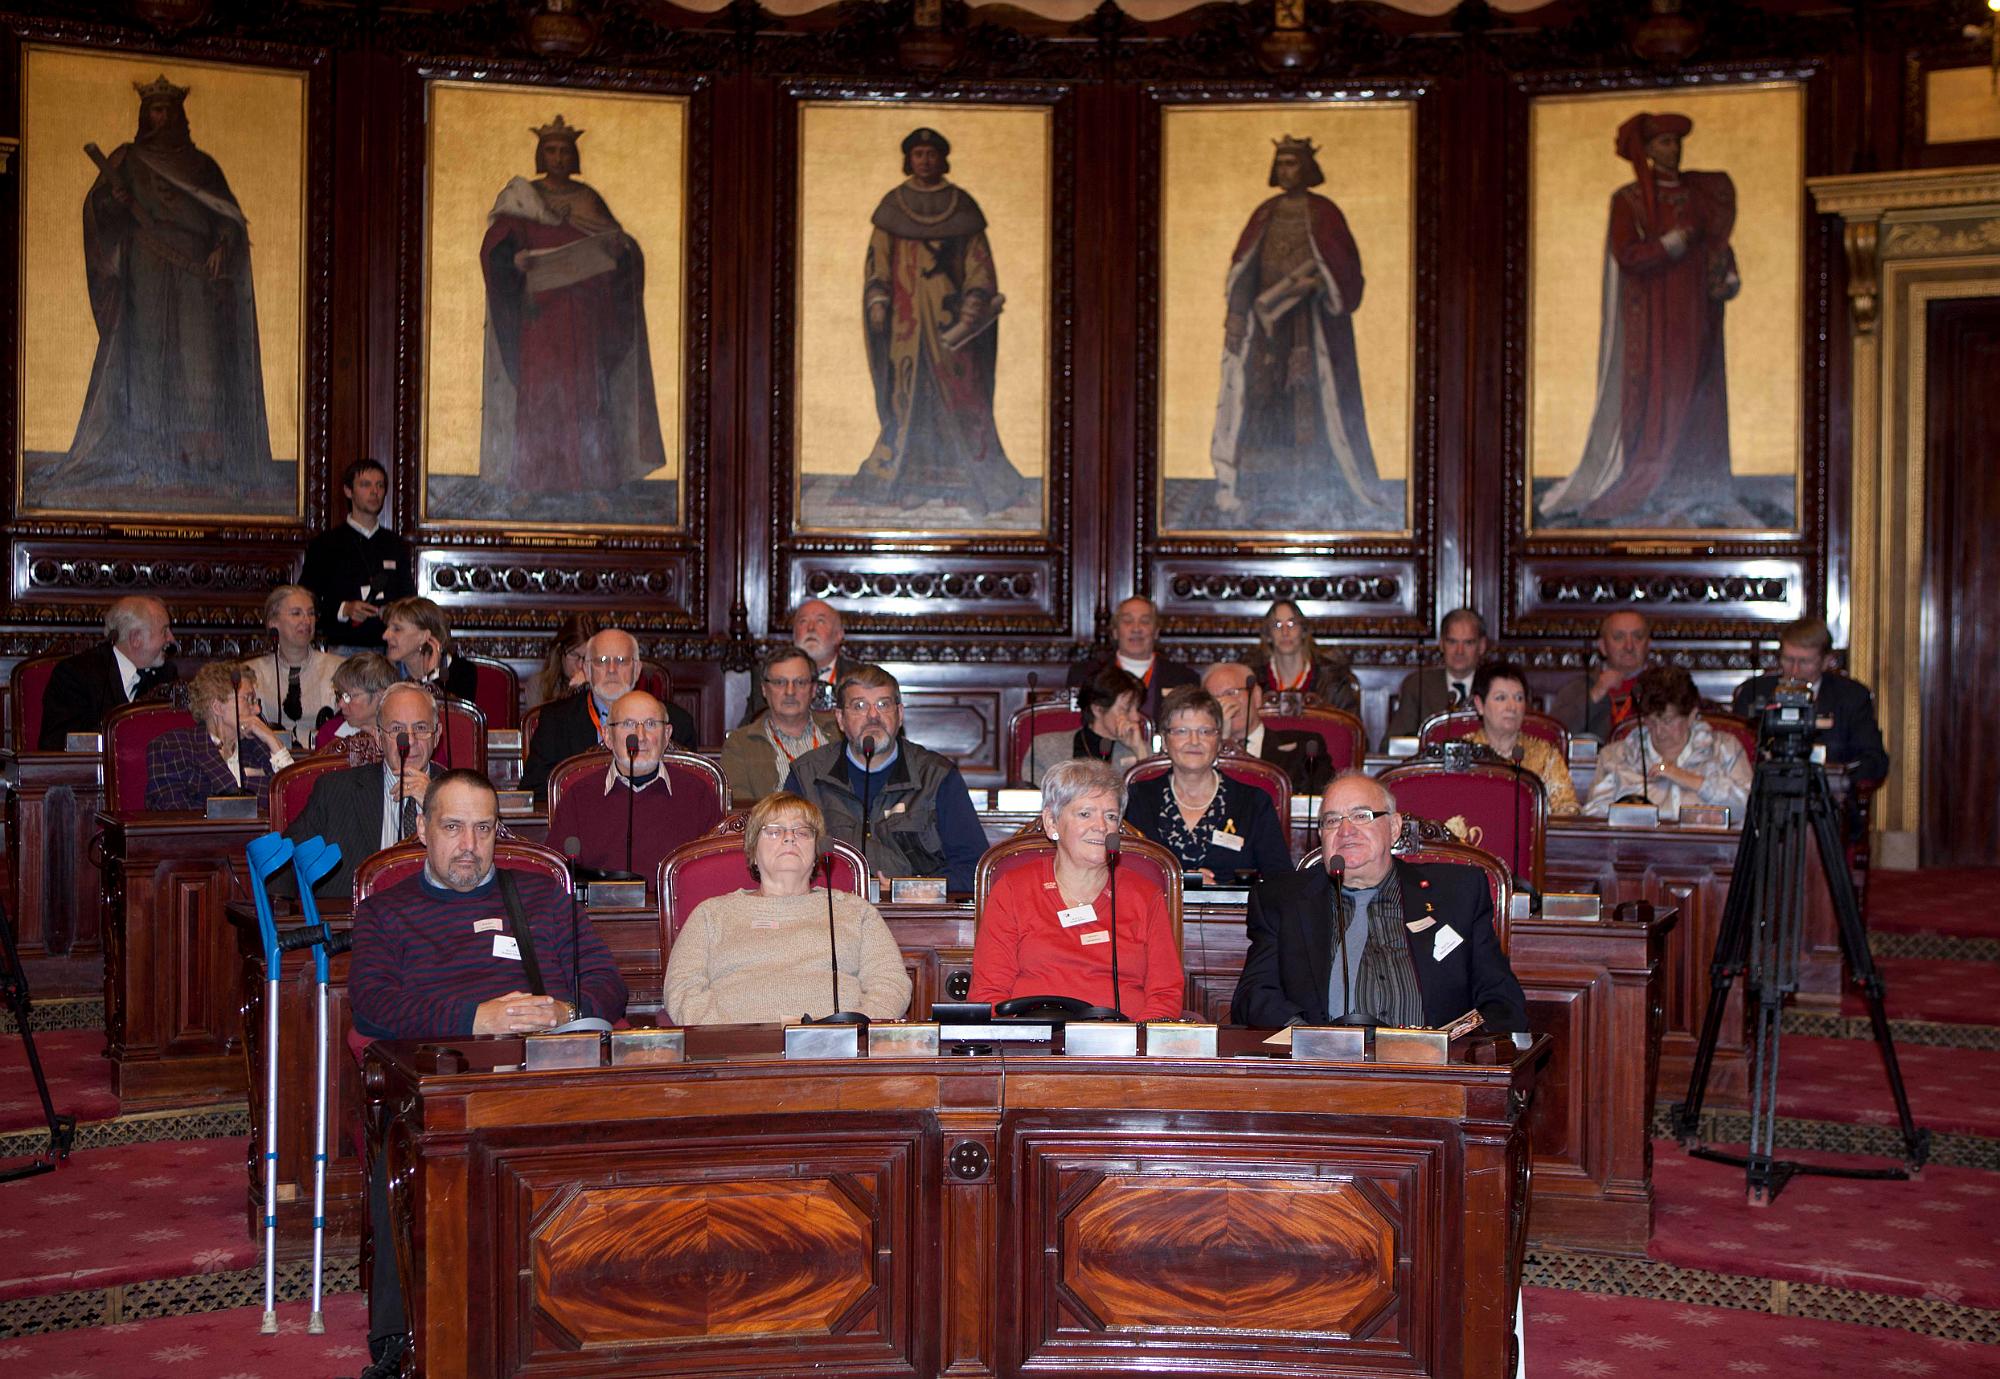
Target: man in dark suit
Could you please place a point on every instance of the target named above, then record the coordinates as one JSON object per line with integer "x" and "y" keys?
{"x": 1417, "y": 945}
{"x": 367, "y": 808}
{"x": 575, "y": 724}
{"x": 1135, "y": 635}
{"x": 1236, "y": 688}
{"x": 1844, "y": 708}
{"x": 1425, "y": 693}
{"x": 818, "y": 631}
{"x": 127, "y": 667}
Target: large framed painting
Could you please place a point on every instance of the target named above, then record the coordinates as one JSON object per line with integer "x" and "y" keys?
{"x": 921, "y": 332}
{"x": 164, "y": 244}
{"x": 1287, "y": 319}
{"x": 1665, "y": 263}
{"x": 555, "y": 291}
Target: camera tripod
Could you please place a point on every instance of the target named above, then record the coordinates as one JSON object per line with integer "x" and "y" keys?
{"x": 1763, "y": 930}
{"x": 14, "y": 995}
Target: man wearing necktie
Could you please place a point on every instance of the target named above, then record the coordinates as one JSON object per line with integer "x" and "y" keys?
{"x": 134, "y": 661}
{"x": 374, "y": 806}
{"x": 1442, "y": 688}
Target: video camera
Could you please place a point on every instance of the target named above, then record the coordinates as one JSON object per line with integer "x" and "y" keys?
{"x": 1785, "y": 728}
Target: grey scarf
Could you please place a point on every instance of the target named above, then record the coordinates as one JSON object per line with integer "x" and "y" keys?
{"x": 1386, "y": 991}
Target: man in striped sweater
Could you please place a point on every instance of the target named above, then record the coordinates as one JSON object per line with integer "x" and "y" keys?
{"x": 436, "y": 957}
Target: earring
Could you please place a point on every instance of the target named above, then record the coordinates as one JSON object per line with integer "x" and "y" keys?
{"x": 1055, "y": 837}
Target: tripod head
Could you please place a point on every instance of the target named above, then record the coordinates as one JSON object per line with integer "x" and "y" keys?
{"x": 1785, "y": 728}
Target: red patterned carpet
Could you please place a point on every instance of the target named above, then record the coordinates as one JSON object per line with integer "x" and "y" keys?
{"x": 1966, "y": 993}
{"x": 79, "y": 1077}
{"x": 172, "y": 1208}
{"x": 1590, "y": 1336}
{"x": 1951, "y": 1090}
{"x": 1962, "y": 901}
{"x": 1931, "y": 1237}
{"x": 228, "y": 1344}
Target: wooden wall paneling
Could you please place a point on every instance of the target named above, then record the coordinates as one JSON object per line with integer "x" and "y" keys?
{"x": 1698, "y": 586}
{"x": 1367, "y": 585}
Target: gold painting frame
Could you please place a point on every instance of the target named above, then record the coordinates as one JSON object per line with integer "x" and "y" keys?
{"x": 1581, "y": 477}
{"x": 487, "y": 460}
{"x": 1224, "y": 151}
{"x": 1001, "y": 162}
{"x": 109, "y": 424}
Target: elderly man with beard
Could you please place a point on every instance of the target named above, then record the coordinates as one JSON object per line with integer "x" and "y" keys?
{"x": 440, "y": 956}
{"x": 631, "y": 817}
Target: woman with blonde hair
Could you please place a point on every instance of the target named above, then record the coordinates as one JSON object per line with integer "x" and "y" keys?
{"x": 295, "y": 680}
{"x": 760, "y": 956}
{"x": 229, "y": 748}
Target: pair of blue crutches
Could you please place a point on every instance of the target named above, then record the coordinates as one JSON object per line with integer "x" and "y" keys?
{"x": 311, "y": 861}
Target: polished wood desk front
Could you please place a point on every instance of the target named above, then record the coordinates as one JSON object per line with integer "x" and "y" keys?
{"x": 1025, "y": 1214}
{"x": 52, "y": 804}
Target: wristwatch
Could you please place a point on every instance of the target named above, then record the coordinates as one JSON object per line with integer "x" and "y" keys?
{"x": 574, "y": 1012}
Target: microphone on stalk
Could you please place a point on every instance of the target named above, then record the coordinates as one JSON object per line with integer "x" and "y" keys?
{"x": 867, "y": 783}
{"x": 839, "y": 1016}
{"x": 238, "y": 790}
{"x": 631, "y": 793}
{"x": 572, "y": 845}
{"x": 1642, "y": 795}
{"x": 1343, "y": 911}
{"x": 1111, "y": 845}
{"x": 1028, "y": 757}
{"x": 402, "y": 764}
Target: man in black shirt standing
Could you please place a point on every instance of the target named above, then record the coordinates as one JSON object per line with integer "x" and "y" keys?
{"x": 359, "y": 567}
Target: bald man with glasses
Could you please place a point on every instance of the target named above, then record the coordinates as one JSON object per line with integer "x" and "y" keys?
{"x": 576, "y": 723}
{"x": 631, "y": 816}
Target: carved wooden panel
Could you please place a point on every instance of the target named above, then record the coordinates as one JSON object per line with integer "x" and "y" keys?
{"x": 1282, "y": 1249}
{"x": 960, "y": 723}
{"x": 1558, "y": 1123}
{"x": 701, "y": 1248}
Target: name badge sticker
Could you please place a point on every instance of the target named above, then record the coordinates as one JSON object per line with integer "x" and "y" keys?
{"x": 1077, "y": 914}
{"x": 1231, "y": 842}
{"x": 1447, "y": 939}
{"x": 388, "y": 564}
{"x": 488, "y": 926}
{"x": 1417, "y": 926}
{"x": 505, "y": 947}
{"x": 1095, "y": 936}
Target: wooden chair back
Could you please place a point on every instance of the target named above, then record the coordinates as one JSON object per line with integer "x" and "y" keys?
{"x": 128, "y": 731}
{"x": 714, "y": 864}
{"x": 1346, "y": 741}
{"x": 1136, "y": 856}
{"x": 29, "y": 682}
{"x": 496, "y": 690}
{"x": 1500, "y": 807}
{"x": 1461, "y": 723}
{"x": 392, "y": 865}
{"x": 1267, "y": 776}
{"x": 293, "y": 786}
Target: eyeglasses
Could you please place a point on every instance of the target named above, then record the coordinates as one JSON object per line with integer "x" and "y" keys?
{"x": 639, "y": 725}
{"x": 1236, "y": 693}
{"x": 795, "y": 682}
{"x": 354, "y": 696}
{"x": 1203, "y": 733}
{"x": 1330, "y": 822}
{"x": 777, "y": 833}
{"x": 1285, "y": 624}
{"x": 413, "y": 729}
{"x": 880, "y": 705}
{"x": 611, "y": 660}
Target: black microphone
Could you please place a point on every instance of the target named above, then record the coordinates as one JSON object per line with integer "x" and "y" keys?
{"x": 631, "y": 792}
{"x": 1336, "y": 870}
{"x": 571, "y": 847}
{"x": 839, "y": 1016}
{"x": 1111, "y": 845}
{"x": 238, "y": 790}
{"x": 402, "y": 763}
{"x": 867, "y": 782}
{"x": 1028, "y": 757}
{"x": 1313, "y": 748}
{"x": 1641, "y": 795}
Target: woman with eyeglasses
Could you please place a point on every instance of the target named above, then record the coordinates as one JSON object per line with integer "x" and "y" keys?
{"x": 230, "y": 748}
{"x": 420, "y": 645}
{"x": 1288, "y": 661}
{"x": 1045, "y": 928}
{"x": 1216, "y": 826}
{"x": 1673, "y": 757}
{"x": 760, "y": 956}
{"x": 357, "y": 692}
{"x": 567, "y": 666}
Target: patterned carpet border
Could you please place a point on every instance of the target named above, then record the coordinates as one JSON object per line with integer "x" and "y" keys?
{"x": 170, "y": 1297}
{"x": 1949, "y": 947}
{"x": 196, "y": 1123}
{"x": 1838, "y": 1137}
{"x": 1815, "y": 1024}
{"x": 1582, "y": 1272}
{"x": 61, "y": 1012}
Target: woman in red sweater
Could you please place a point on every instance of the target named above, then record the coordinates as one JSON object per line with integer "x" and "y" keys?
{"x": 1045, "y": 929}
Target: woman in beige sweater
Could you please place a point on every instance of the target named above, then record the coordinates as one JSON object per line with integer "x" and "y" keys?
{"x": 760, "y": 957}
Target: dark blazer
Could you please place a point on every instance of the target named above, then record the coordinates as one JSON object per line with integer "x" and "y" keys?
{"x": 564, "y": 729}
{"x": 1290, "y": 926}
{"x": 345, "y": 808}
{"x": 1167, "y": 675}
{"x": 1423, "y": 695}
{"x": 184, "y": 767}
{"x": 1854, "y": 740}
{"x": 1286, "y": 747}
{"x": 1249, "y": 808}
{"x": 81, "y": 691}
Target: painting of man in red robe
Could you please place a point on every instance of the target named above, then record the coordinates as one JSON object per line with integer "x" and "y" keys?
{"x": 1657, "y": 453}
{"x": 569, "y": 415}
{"x": 1290, "y": 447}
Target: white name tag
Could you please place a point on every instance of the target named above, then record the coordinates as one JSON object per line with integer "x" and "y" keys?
{"x": 388, "y": 564}
{"x": 487, "y": 926}
{"x": 1417, "y": 926}
{"x": 1232, "y": 842}
{"x": 1095, "y": 936}
{"x": 1077, "y": 914}
{"x": 505, "y": 947}
{"x": 1447, "y": 939}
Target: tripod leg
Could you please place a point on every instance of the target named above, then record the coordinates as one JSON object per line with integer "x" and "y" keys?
{"x": 1861, "y": 962}
{"x": 1731, "y": 941}
{"x": 14, "y": 995}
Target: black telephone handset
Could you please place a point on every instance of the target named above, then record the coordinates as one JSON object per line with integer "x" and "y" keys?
{"x": 1053, "y": 1008}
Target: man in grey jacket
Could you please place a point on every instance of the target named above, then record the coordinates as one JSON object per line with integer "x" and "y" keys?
{"x": 920, "y": 819}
